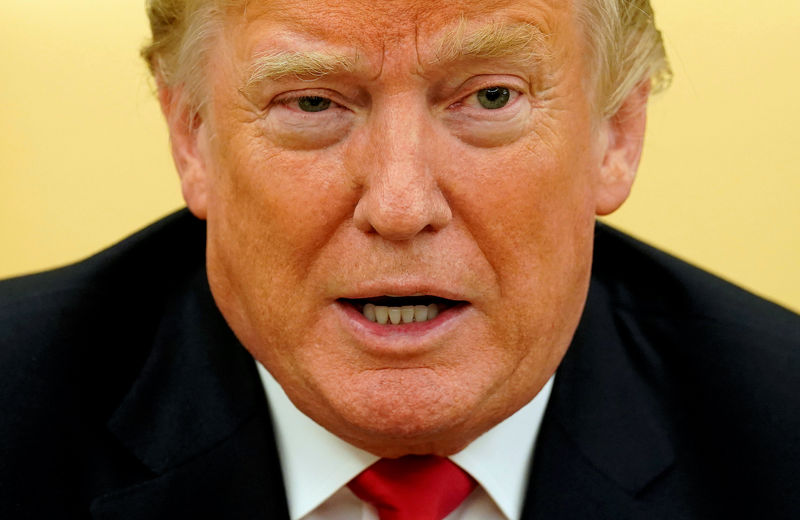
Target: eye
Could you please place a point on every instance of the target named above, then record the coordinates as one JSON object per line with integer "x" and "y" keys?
{"x": 489, "y": 100}
{"x": 490, "y": 111}
{"x": 493, "y": 98}
{"x": 313, "y": 103}
{"x": 306, "y": 102}
{"x": 307, "y": 119}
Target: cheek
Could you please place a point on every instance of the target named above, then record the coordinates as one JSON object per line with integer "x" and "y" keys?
{"x": 271, "y": 216}
{"x": 527, "y": 205}
{"x": 530, "y": 210}
{"x": 281, "y": 205}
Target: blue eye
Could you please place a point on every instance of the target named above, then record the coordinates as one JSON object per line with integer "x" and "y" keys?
{"x": 313, "y": 103}
{"x": 493, "y": 98}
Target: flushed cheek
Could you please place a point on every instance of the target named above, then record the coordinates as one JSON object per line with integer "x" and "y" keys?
{"x": 524, "y": 203}
{"x": 272, "y": 217}
{"x": 530, "y": 214}
{"x": 292, "y": 201}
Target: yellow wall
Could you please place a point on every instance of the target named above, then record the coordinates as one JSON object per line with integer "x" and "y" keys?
{"x": 84, "y": 157}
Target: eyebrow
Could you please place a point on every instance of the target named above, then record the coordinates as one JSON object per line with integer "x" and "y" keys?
{"x": 523, "y": 43}
{"x": 303, "y": 65}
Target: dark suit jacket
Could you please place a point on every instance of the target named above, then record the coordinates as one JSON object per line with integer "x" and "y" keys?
{"x": 124, "y": 395}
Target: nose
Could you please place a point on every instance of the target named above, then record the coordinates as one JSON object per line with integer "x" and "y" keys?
{"x": 401, "y": 196}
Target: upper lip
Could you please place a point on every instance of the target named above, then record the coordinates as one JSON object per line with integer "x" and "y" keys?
{"x": 376, "y": 289}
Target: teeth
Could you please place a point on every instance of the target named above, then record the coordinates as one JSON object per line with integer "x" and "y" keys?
{"x": 369, "y": 312}
{"x": 396, "y": 315}
{"x": 381, "y": 314}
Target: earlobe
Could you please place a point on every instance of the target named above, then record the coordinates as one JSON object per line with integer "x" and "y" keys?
{"x": 187, "y": 139}
{"x": 624, "y": 138}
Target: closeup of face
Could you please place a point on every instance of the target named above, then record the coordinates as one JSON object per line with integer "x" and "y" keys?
{"x": 439, "y": 164}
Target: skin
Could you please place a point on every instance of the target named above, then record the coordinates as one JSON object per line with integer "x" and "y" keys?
{"x": 406, "y": 185}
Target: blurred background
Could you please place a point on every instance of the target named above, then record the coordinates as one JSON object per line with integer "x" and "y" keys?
{"x": 84, "y": 155}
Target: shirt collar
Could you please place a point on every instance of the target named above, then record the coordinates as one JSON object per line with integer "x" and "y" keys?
{"x": 499, "y": 459}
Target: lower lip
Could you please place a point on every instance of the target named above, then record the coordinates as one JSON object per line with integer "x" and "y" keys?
{"x": 441, "y": 321}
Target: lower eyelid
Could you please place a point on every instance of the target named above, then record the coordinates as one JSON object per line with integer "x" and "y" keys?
{"x": 289, "y": 101}
{"x": 292, "y": 107}
{"x": 300, "y": 120}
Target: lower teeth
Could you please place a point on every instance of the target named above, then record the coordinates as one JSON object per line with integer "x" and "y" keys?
{"x": 396, "y": 315}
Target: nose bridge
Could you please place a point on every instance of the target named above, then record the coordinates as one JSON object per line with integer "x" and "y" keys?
{"x": 402, "y": 171}
{"x": 401, "y": 196}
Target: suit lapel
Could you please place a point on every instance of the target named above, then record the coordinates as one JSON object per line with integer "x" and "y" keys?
{"x": 603, "y": 440}
{"x": 197, "y": 419}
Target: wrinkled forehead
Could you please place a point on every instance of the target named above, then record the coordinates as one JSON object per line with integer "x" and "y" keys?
{"x": 370, "y": 26}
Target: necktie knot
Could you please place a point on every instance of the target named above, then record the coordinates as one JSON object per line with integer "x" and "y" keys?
{"x": 414, "y": 487}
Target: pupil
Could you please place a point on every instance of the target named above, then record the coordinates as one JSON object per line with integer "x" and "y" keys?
{"x": 494, "y": 97}
{"x": 313, "y": 103}
{"x": 492, "y": 94}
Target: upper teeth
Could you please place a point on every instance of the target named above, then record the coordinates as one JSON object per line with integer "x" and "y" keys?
{"x": 406, "y": 314}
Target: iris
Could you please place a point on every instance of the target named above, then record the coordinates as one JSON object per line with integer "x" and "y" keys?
{"x": 493, "y": 97}
{"x": 313, "y": 103}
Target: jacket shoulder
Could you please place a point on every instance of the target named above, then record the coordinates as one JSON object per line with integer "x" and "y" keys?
{"x": 72, "y": 339}
{"x": 143, "y": 254}
{"x": 653, "y": 284}
{"x": 723, "y": 363}
{"x": 82, "y": 310}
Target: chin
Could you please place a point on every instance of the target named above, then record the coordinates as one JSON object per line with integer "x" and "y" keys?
{"x": 395, "y": 412}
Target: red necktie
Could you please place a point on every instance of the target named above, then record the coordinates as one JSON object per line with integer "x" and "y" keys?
{"x": 414, "y": 487}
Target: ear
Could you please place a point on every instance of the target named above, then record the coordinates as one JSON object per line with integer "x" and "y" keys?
{"x": 188, "y": 140}
{"x": 624, "y": 138}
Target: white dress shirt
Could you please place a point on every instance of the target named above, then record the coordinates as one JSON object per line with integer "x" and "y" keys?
{"x": 317, "y": 465}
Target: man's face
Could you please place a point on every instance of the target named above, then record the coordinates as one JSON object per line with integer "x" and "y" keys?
{"x": 425, "y": 162}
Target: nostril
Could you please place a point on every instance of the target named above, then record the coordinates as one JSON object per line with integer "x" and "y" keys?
{"x": 397, "y": 223}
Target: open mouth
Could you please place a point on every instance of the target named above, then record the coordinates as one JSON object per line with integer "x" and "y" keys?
{"x": 399, "y": 310}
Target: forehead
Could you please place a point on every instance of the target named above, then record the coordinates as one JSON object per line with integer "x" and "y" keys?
{"x": 366, "y": 25}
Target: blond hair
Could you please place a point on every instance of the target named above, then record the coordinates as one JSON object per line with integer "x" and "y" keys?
{"x": 625, "y": 46}
{"x": 182, "y": 34}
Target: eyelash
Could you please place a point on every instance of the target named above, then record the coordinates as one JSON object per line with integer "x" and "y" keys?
{"x": 514, "y": 95}
{"x": 515, "y": 85}
{"x": 288, "y": 99}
